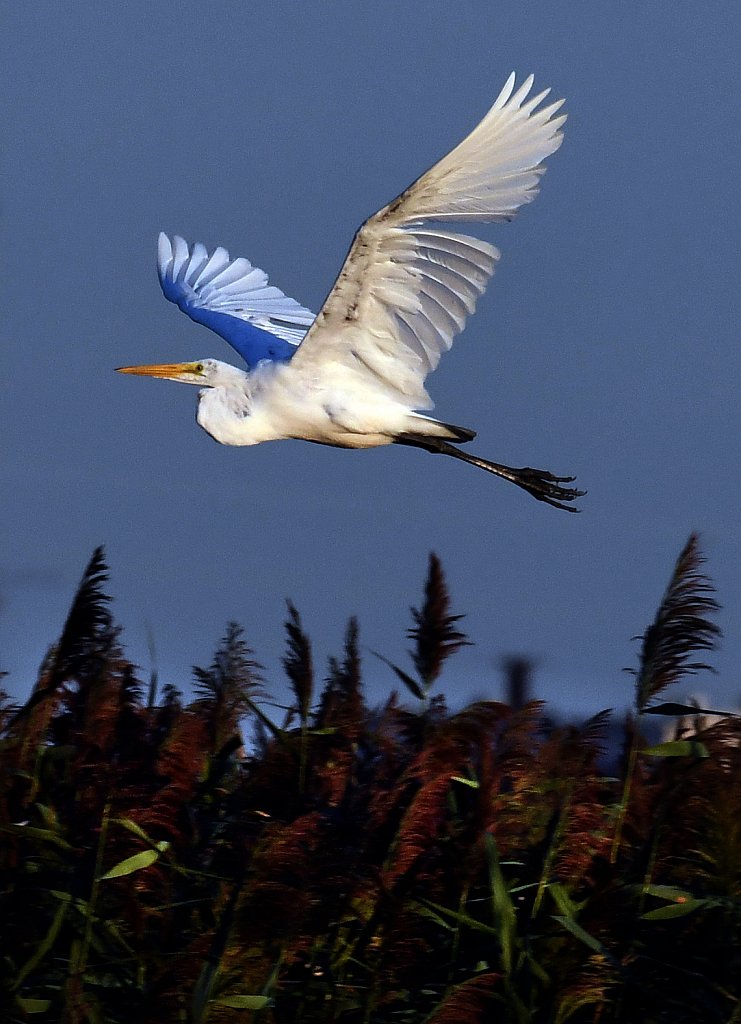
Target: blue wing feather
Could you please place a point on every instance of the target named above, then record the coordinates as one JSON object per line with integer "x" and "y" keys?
{"x": 233, "y": 299}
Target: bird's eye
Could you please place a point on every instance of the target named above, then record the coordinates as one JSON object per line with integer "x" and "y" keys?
{"x": 199, "y": 367}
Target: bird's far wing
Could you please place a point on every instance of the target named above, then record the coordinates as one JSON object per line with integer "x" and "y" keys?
{"x": 405, "y": 290}
{"x": 231, "y": 296}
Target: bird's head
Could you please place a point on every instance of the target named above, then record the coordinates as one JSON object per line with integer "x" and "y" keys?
{"x": 205, "y": 373}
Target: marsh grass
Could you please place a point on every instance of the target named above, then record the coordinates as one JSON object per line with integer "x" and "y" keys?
{"x": 394, "y": 865}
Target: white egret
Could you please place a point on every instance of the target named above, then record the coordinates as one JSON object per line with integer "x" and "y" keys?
{"x": 353, "y": 376}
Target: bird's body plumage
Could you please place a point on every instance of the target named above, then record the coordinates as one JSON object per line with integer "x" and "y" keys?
{"x": 354, "y": 375}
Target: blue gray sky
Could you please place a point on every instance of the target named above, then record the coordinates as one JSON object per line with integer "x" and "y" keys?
{"x": 607, "y": 344}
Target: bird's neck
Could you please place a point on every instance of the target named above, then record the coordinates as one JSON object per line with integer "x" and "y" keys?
{"x": 233, "y": 378}
{"x": 223, "y": 412}
{"x": 231, "y": 411}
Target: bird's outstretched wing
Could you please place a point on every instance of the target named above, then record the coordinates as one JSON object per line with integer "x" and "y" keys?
{"x": 405, "y": 290}
{"x": 233, "y": 298}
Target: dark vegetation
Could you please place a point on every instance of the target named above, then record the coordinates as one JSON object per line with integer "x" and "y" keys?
{"x": 357, "y": 865}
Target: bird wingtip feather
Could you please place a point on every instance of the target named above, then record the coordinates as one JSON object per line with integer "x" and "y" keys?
{"x": 164, "y": 250}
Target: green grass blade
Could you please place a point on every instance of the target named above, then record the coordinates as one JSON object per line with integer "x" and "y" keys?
{"x": 503, "y": 909}
{"x": 43, "y": 947}
{"x": 243, "y": 1002}
{"x": 580, "y": 933}
{"x": 32, "y": 832}
{"x": 33, "y": 1005}
{"x": 678, "y": 748}
{"x": 132, "y": 864}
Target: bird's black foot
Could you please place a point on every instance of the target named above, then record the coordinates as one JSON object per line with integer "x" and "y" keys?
{"x": 546, "y": 487}
{"x": 539, "y": 482}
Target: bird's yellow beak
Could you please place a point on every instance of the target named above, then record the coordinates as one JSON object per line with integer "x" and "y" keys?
{"x": 168, "y": 371}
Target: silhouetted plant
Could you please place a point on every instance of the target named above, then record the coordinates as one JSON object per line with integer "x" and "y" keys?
{"x": 435, "y": 637}
{"x": 227, "y": 690}
{"x": 680, "y": 628}
{"x": 434, "y": 631}
{"x": 298, "y": 664}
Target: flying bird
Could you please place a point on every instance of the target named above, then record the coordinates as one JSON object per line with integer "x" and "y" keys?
{"x": 353, "y": 375}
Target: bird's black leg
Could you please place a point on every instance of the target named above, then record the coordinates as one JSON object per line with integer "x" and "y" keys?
{"x": 539, "y": 482}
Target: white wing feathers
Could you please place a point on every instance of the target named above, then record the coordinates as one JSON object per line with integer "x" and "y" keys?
{"x": 495, "y": 170}
{"x": 196, "y": 281}
{"x": 405, "y": 290}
